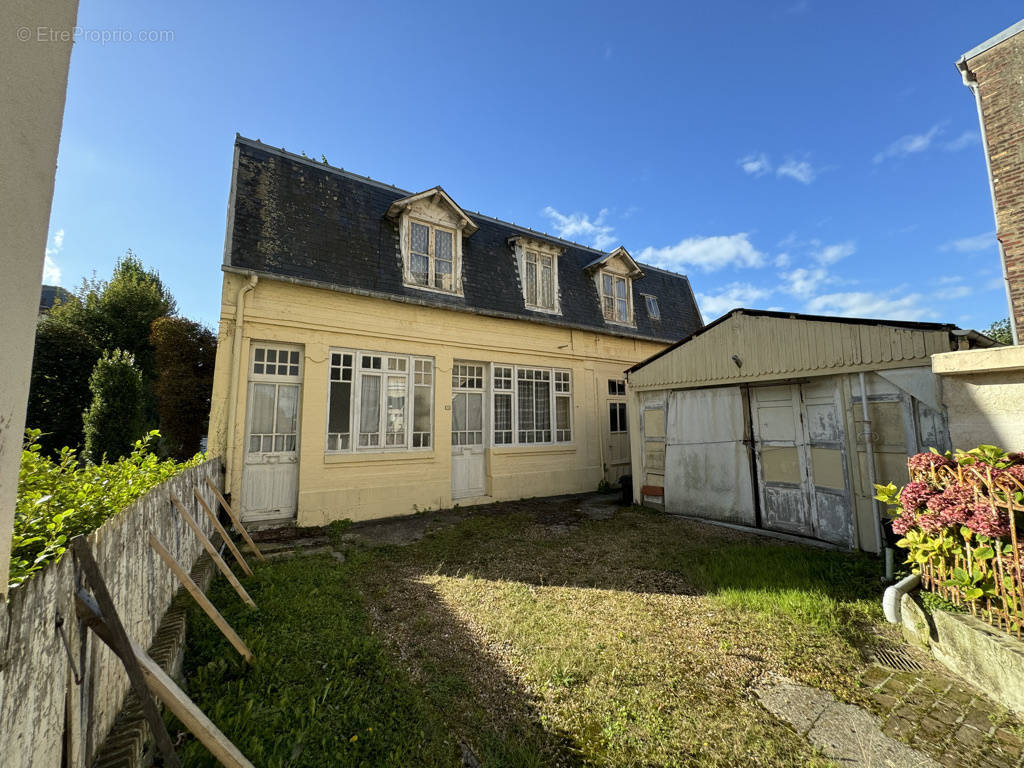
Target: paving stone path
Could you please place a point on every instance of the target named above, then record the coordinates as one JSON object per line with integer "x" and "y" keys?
{"x": 944, "y": 718}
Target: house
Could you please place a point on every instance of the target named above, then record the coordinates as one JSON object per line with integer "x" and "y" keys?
{"x": 984, "y": 389}
{"x": 50, "y": 295}
{"x": 383, "y": 352}
{"x": 759, "y": 419}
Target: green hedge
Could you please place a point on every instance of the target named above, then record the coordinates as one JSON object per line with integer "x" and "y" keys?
{"x": 60, "y": 499}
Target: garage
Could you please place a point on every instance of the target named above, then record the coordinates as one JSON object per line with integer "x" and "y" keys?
{"x": 784, "y": 422}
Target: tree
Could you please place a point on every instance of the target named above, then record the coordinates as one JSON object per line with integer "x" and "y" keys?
{"x": 114, "y": 419}
{"x": 113, "y": 314}
{"x": 1000, "y": 331}
{"x": 59, "y": 392}
{"x": 184, "y": 354}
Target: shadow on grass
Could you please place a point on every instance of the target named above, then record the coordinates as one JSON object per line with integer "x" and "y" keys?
{"x": 325, "y": 688}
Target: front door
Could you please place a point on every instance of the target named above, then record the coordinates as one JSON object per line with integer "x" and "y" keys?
{"x": 469, "y": 419}
{"x": 616, "y": 437}
{"x": 801, "y": 462}
{"x": 270, "y": 476}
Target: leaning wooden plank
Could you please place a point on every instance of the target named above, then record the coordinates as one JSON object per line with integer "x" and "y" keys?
{"x": 202, "y": 599}
{"x": 235, "y": 521}
{"x": 120, "y": 643}
{"x": 212, "y": 552}
{"x": 168, "y": 692}
{"x": 224, "y": 534}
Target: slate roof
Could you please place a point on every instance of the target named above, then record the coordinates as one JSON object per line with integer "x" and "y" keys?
{"x": 296, "y": 219}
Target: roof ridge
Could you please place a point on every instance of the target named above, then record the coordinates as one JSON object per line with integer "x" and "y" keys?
{"x": 239, "y": 138}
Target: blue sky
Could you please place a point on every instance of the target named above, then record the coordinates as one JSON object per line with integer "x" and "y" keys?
{"x": 802, "y": 155}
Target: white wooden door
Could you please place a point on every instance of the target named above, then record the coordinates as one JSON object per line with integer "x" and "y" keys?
{"x": 616, "y": 436}
{"x": 469, "y": 429}
{"x": 270, "y": 475}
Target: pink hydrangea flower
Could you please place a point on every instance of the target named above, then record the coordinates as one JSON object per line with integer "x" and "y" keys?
{"x": 987, "y": 521}
{"x": 925, "y": 461}
{"x": 954, "y": 506}
{"x": 915, "y": 495}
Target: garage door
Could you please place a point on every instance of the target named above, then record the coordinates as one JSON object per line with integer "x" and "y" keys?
{"x": 801, "y": 460}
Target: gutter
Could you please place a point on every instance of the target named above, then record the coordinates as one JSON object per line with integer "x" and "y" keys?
{"x": 971, "y": 82}
{"x": 236, "y": 370}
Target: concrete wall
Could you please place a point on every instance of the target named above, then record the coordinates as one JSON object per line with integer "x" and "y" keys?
{"x": 983, "y": 391}
{"x": 365, "y": 485}
{"x": 32, "y": 103}
{"x": 37, "y": 690}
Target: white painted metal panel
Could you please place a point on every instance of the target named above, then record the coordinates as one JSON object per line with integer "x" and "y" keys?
{"x": 707, "y": 466}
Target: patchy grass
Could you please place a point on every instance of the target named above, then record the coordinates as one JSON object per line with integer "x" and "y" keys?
{"x": 535, "y": 636}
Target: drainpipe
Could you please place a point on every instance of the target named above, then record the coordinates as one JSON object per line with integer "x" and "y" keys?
{"x": 972, "y": 83}
{"x": 871, "y": 470}
{"x": 236, "y": 366}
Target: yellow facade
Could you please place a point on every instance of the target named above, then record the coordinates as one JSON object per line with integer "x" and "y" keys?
{"x": 366, "y": 485}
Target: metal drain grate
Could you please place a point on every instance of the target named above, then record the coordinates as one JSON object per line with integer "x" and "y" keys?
{"x": 895, "y": 658}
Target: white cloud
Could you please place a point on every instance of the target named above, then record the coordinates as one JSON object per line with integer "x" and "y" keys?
{"x": 973, "y": 244}
{"x": 803, "y": 282}
{"x": 579, "y": 227}
{"x": 756, "y": 165}
{"x": 801, "y": 170}
{"x": 830, "y": 254}
{"x": 910, "y": 144}
{"x": 953, "y": 292}
{"x": 733, "y": 296}
{"x": 51, "y": 272}
{"x": 863, "y": 304}
{"x": 782, "y": 260}
{"x": 964, "y": 140}
{"x": 706, "y": 253}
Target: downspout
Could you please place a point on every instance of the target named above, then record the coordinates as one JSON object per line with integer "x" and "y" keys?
{"x": 870, "y": 449}
{"x": 972, "y": 83}
{"x": 236, "y": 372}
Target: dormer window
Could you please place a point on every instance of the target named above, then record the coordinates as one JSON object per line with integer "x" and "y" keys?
{"x": 653, "y": 310}
{"x": 615, "y": 298}
{"x": 538, "y": 273}
{"x": 432, "y": 256}
{"x": 431, "y": 229}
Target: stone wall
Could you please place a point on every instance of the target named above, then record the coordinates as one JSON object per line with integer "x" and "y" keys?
{"x": 43, "y": 712}
{"x": 983, "y": 391}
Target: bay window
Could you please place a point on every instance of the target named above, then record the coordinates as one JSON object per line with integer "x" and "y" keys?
{"x": 385, "y": 400}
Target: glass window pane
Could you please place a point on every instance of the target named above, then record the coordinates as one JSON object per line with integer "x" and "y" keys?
{"x": 502, "y": 412}
{"x": 262, "y": 408}
{"x": 524, "y": 391}
{"x": 459, "y": 410}
{"x": 620, "y": 288}
{"x": 271, "y": 355}
{"x": 419, "y": 238}
{"x": 338, "y": 418}
{"x": 609, "y": 308}
{"x": 442, "y": 245}
{"x": 287, "y": 408}
{"x": 369, "y": 404}
{"x": 294, "y": 357}
{"x": 543, "y": 408}
{"x": 606, "y": 281}
{"x": 545, "y": 287}
{"x": 279, "y": 442}
{"x": 259, "y": 354}
{"x": 421, "y": 410}
{"x": 475, "y": 415}
{"x": 257, "y": 367}
{"x": 613, "y": 417}
{"x": 531, "y": 283}
{"x": 254, "y": 444}
{"x": 562, "y": 415}
{"x": 268, "y": 443}
{"x": 620, "y": 310}
{"x": 397, "y": 394}
{"x": 419, "y": 267}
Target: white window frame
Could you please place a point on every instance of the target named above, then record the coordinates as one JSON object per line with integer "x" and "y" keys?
{"x": 525, "y": 247}
{"x": 650, "y": 301}
{"x": 388, "y": 366}
{"x": 615, "y": 299}
{"x": 560, "y": 387}
{"x": 293, "y": 375}
{"x": 405, "y": 237}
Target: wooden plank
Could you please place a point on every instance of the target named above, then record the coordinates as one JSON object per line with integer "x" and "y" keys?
{"x": 235, "y": 521}
{"x": 212, "y": 552}
{"x": 168, "y": 692}
{"x": 121, "y": 644}
{"x": 224, "y": 534}
{"x": 202, "y": 599}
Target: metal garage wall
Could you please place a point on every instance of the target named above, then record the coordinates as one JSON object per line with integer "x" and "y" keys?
{"x": 707, "y": 466}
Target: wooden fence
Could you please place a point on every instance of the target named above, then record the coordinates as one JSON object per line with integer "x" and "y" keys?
{"x": 45, "y": 715}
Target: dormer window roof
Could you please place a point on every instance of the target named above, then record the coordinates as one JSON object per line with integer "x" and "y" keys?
{"x": 431, "y": 227}
{"x": 632, "y": 269}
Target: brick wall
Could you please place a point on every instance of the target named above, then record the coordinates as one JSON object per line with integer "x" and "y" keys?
{"x": 999, "y": 72}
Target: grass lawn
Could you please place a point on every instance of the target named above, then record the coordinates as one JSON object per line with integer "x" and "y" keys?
{"x": 533, "y": 635}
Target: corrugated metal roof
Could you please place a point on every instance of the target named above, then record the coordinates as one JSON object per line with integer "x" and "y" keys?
{"x": 751, "y": 345}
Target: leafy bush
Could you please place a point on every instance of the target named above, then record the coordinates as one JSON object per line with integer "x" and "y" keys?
{"x": 114, "y": 419}
{"x": 959, "y": 517}
{"x": 185, "y": 352}
{"x": 59, "y": 499}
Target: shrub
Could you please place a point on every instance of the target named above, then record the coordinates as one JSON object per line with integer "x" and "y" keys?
{"x": 185, "y": 352}
{"x": 60, "y": 499}
{"x": 114, "y": 418}
{"x": 959, "y": 516}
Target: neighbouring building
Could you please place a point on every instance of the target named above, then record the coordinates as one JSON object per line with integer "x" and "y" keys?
{"x": 383, "y": 352}
{"x": 758, "y": 419}
{"x": 983, "y": 390}
{"x": 50, "y": 295}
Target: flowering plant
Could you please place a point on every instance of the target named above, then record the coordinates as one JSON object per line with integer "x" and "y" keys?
{"x": 958, "y": 517}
